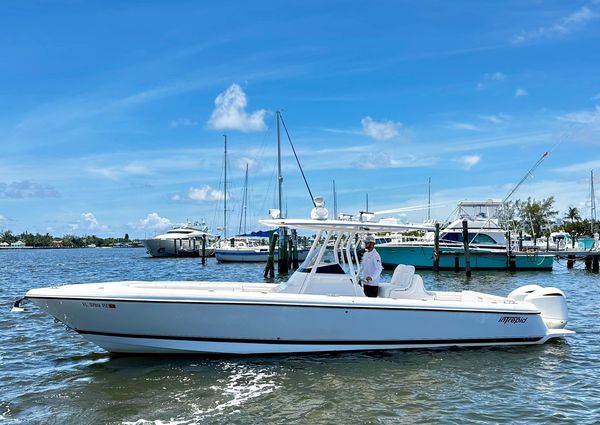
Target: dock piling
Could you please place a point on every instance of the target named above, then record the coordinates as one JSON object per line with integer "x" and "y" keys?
{"x": 294, "y": 249}
{"x": 270, "y": 266}
{"x": 282, "y": 263}
{"x": 436, "y": 248}
{"x": 588, "y": 263}
{"x": 203, "y": 249}
{"x": 466, "y": 246}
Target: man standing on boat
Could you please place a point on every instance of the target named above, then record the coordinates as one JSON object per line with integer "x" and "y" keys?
{"x": 370, "y": 268}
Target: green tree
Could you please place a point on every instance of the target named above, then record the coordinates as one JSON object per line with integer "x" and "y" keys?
{"x": 536, "y": 216}
{"x": 508, "y": 215}
{"x": 573, "y": 214}
{"x": 7, "y": 236}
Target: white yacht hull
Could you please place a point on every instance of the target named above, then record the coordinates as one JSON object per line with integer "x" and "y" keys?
{"x": 226, "y": 318}
{"x": 249, "y": 256}
{"x": 175, "y": 248}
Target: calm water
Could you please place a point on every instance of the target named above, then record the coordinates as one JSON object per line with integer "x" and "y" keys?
{"x": 49, "y": 375}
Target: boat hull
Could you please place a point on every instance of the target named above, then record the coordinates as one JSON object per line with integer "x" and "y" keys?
{"x": 176, "y": 248}
{"x": 421, "y": 257}
{"x": 248, "y": 256}
{"x": 284, "y": 325}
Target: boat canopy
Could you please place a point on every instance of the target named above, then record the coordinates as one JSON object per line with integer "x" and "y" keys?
{"x": 343, "y": 225}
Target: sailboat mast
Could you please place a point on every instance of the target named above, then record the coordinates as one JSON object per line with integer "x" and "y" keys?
{"x": 243, "y": 216}
{"x": 279, "y": 176}
{"x": 225, "y": 192}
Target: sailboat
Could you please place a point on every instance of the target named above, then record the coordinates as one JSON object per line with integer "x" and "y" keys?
{"x": 248, "y": 249}
{"x": 243, "y": 248}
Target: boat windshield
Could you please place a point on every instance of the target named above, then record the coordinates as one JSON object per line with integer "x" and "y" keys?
{"x": 333, "y": 252}
{"x": 182, "y": 231}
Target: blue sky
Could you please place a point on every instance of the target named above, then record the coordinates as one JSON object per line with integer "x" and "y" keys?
{"x": 113, "y": 112}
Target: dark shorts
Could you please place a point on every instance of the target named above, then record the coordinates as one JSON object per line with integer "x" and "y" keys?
{"x": 371, "y": 290}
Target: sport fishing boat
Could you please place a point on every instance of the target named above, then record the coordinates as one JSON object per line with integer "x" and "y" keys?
{"x": 487, "y": 243}
{"x": 183, "y": 240}
{"x": 321, "y": 308}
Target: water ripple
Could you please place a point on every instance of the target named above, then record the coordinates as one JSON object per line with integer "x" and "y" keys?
{"x": 50, "y": 375}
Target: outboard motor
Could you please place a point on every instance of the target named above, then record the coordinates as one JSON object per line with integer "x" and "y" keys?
{"x": 521, "y": 292}
{"x": 550, "y": 301}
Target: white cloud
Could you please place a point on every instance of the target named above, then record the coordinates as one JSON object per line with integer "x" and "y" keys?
{"x": 496, "y": 76}
{"x": 582, "y": 126}
{"x": 495, "y": 119}
{"x": 230, "y": 112}
{"x": 566, "y": 25}
{"x": 520, "y": 92}
{"x": 26, "y": 189}
{"x": 580, "y": 167}
{"x": 468, "y": 161}
{"x": 455, "y": 125}
{"x": 583, "y": 117}
{"x": 92, "y": 222}
{"x": 244, "y": 160}
{"x": 382, "y": 130}
{"x": 73, "y": 226}
{"x": 487, "y": 79}
{"x": 375, "y": 160}
{"x": 114, "y": 173}
{"x": 154, "y": 221}
{"x": 182, "y": 122}
{"x": 204, "y": 193}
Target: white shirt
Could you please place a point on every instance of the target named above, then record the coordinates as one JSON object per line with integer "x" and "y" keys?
{"x": 371, "y": 266}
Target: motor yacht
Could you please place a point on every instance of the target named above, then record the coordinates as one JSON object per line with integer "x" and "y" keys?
{"x": 320, "y": 308}
{"x": 183, "y": 240}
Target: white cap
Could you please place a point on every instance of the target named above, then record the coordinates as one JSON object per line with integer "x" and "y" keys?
{"x": 369, "y": 238}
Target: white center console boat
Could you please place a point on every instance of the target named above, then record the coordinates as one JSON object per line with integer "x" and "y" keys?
{"x": 321, "y": 307}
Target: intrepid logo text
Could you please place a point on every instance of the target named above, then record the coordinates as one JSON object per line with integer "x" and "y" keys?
{"x": 512, "y": 320}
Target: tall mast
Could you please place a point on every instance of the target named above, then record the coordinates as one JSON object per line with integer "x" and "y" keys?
{"x": 592, "y": 201}
{"x": 225, "y": 192}
{"x": 429, "y": 199}
{"x": 243, "y": 215}
{"x": 279, "y": 176}
{"x": 367, "y": 203}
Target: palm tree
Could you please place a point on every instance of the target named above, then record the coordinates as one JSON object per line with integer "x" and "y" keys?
{"x": 573, "y": 214}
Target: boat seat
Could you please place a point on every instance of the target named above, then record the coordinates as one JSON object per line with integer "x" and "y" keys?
{"x": 403, "y": 276}
{"x": 404, "y": 284}
{"x": 416, "y": 291}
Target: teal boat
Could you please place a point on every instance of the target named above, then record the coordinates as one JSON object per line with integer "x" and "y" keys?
{"x": 421, "y": 256}
{"x": 487, "y": 244}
